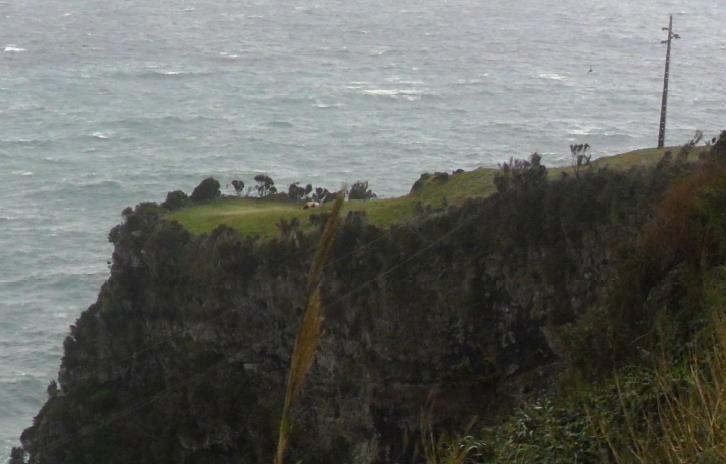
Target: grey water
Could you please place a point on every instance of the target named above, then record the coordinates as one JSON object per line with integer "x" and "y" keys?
{"x": 104, "y": 104}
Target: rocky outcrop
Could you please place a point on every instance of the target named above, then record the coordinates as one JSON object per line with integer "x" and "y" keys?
{"x": 183, "y": 358}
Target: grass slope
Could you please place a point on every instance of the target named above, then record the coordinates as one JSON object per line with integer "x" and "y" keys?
{"x": 253, "y": 216}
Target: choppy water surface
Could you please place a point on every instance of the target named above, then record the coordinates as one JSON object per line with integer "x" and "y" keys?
{"x": 104, "y": 104}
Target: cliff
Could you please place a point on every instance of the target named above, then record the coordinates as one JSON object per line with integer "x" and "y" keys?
{"x": 184, "y": 355}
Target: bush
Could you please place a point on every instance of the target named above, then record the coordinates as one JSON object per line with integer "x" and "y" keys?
{"x": 208, "y": 189}
{"x": 360, "y": 191}
{"x": 322, "y": 195}
{"x": 175, "y": 200}
{"x": 519, "y": 173}
{"x": 719, "y": 147}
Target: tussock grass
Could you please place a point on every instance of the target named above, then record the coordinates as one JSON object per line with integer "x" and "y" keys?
{"x": 436, "y": 448}
{"x": 689, "y": 425}
{"x": 308, "y": 335}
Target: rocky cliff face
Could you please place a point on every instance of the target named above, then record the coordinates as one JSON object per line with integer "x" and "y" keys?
{"x": 183, "y": 358}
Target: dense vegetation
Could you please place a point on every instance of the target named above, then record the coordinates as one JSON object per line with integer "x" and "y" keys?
{"x": 432, "y": 192}
{"x": 611, "y": 280}
{"x": 645, "y": 368}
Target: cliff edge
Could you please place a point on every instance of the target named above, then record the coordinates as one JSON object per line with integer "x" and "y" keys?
{"x": 183, "y": 358}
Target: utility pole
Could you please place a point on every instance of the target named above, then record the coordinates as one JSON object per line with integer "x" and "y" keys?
{"x": 664, "y": 102}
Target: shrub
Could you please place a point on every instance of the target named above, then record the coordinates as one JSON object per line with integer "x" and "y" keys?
{"x": 175, "y": 200}
{"x": 208, "y": 189}
{"x": 419, "y": 184}
{"x": 359, "y": 191}
{"x": 689, "y": 146}
{"x": 719, "y": 147}
{"x": 519, "y": 173}
{"x": 322, "y": 195}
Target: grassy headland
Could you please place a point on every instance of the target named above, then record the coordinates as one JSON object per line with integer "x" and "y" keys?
{"x": 254, "y": 216}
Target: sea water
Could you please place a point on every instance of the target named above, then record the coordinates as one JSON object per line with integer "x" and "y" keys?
{"x": 104, "y": 104}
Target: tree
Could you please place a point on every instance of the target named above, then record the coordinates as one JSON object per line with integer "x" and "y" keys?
{"x": 175, "y": 200}
{"x": 519, "y": 173}
{"x": 719, "y": 146}
{"x": 238, "y": 186}
{"x": 265, "y": 185}
{"x": 295, "y": 192}
{"x": 688, "y": 147}
{"x": 580, "y": 157}
{"x": 208, "y": 189}
{"x": 360, "y": 191}
{"x": 322, "y": 195}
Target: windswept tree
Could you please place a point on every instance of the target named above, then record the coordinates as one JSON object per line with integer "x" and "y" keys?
{"x": 322, "y": 195}
{"x": 580, "y": 156}
{"x": 238, "y": 186}
{"x": 520, "y": 173}
{"x": 296, "y": 192}
{"x": 265, "y": 185}
{"x": 360, "y": 191}
{"x": 208, "y": 189}
{"x": 689, "y": 146}
{"x": 175, "y": 200}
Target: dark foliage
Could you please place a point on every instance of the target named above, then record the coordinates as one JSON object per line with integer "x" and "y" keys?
{"x": 719, "y": 148}
{"x": 360, "y": 191}
{"x": 175, "y": 200}
{"x": 658, "y": 275}
{"x": 288, "y": 229}
{"x": 519, "y": 174}
{"x": 208, "y": 189}
{"x": 322, "y": 195}
{"x": 494, "y": 273}
{"x": 296, "y": 192}
{"x": 265, "y": 185}
{"x": 238, "y": 186}
{"x": 420, "y": 182}
{"x": 688, "y": 147}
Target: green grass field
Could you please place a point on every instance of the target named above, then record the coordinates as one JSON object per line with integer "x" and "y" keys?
{"x": 253, "y": 216}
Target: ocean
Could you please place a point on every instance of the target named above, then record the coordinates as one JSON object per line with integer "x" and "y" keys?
{"x": 106, "y": 104}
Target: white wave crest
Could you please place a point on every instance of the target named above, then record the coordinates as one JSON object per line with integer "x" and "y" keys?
{"x": 100, "y": 136}
{"x": 406, "y": 94}
{"x": 12, "y": 48}
{"x": 322, "y": 105}
{"x": 583, "y": 130}
{"x": 553, "y": 76}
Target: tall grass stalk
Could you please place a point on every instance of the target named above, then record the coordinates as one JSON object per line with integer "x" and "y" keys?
{"x": 689, "y": 425}
{"x": 309, "y": 333}
{"x": 444, "y": 449}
